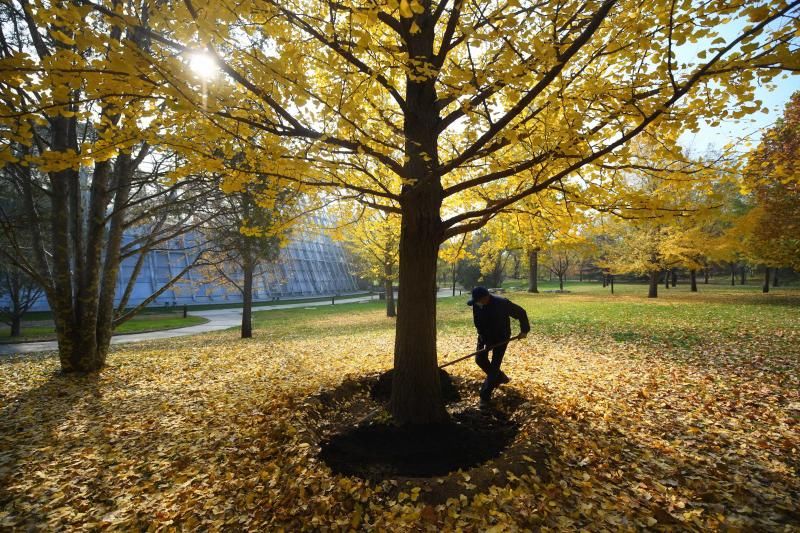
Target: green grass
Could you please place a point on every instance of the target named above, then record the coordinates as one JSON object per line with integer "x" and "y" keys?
{"x": 42, "y": 330}
{"x": 677, "y": 318}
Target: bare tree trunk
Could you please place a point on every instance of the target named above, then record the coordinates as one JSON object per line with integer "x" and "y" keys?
{"x": 247, "y": 299}
{"x": 455, "y": 271}
{"x": 693, "y": 278}
{"x": 533, "y": 273}
{"x": 123, "y": 173}
{"x": 561, "y": 282}
{"x": 16, "y": 325}
{"x": 653, "y": 288}
{"x": 674, "y": 273}
{"x": 389, "y": 289}
{"x": 765, "y": 287}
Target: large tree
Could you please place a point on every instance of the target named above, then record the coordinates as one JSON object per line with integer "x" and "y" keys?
{"x": 81, "y": 116}
{"x": 771, "y": 230}
{"x": 449, "y": 112}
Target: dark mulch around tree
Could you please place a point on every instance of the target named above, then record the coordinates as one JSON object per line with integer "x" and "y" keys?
{"x": 379, "y": 450}
{"x": 476, "y": 449}
{"x": 382, "y": 389}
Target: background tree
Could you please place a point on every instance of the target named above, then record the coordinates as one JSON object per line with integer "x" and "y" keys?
{"x": 373, "y": 238}
{"x": 771, "y": 230}
{"x": 20, "y": 292}
{"x": 563, "y": 253}
{"x": 452, "y": 253}
{"x": 246, "y": 232}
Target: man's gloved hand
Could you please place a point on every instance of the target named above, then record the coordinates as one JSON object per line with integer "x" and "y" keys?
{"x": 522, "y": 334}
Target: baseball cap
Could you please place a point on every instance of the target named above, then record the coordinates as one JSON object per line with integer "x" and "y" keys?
{"x": 477, "y": 294}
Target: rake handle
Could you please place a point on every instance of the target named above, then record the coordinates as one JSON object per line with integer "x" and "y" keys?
{"x": 473, "y": 354}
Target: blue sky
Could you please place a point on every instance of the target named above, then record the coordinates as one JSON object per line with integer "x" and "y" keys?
{"x": 731, "y": 131}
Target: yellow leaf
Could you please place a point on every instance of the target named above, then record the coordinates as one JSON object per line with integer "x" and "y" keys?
{"x": 405, "y": 9}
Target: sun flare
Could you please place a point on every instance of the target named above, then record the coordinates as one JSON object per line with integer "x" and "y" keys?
{"x": 203, "y": 65}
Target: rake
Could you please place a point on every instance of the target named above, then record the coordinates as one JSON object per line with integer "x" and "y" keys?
{"x": 473, "y": 354}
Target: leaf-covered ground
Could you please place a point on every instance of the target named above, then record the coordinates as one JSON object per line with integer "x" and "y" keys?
{"x": 680, "y": 412}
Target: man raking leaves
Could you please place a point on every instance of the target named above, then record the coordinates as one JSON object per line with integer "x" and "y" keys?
{"x": 492, "y": 316}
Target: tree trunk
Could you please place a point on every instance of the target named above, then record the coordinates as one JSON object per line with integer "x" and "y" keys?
{"x": 416, "y": 394}
{"x": 653, "y": 289}
{"x": 580, "y": 275}
{"x": 674, "y": 273}
{"x": 604, "y": 278}
{"x": 16, "y": 326}
{"x": 389, "y": 289}
{"x": 705, "y": 274}
{"x": 733, "y": 274}
{"x": 666, "y": 279}
{"x": 742, "y": 275}
{"x": 765, "y": 287}
{"x": 561, "y": 282}
{"x": 247, "y": 300}
{"x": 455, "y": 272}
{"x": 123, "y": 174}
{"x": 693, "y": 278}
{"x": 775, "y": 277}
{"x": 533, "y": 273}
{"x": 611, "y": 282}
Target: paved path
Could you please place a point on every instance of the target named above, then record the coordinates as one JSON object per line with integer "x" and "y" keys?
{"x": 218, "y": 319}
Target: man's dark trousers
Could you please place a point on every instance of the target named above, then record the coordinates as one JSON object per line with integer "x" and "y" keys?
{"x": 492, "y": 369}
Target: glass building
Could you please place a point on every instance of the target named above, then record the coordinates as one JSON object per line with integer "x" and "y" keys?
{"x": 311, "y": 264}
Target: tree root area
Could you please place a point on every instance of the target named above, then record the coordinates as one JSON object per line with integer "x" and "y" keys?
{"x": 476, "y": 449}
{"x": 383, "y": 450}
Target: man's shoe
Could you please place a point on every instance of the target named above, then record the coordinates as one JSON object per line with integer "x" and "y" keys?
{"x": 503, "y": 379}
{"x": 485, "y": 404}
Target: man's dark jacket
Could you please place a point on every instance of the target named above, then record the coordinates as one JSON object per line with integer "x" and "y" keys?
{"x": 493, "y": 319}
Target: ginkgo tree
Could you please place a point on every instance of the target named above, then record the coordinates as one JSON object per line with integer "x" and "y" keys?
{"x": 372, "y": 237}
{"x": 82, "y": 112}
{"x": 452, "y": 252}
{"x": 534, "y": 221}
{"x": 447, "y": 113}
{"x": 770, "y": 231}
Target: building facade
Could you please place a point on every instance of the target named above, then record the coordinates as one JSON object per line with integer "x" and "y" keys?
{"x": 311, "y": 264}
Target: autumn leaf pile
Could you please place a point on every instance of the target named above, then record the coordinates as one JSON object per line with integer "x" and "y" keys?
{"x": 679, "y": 413}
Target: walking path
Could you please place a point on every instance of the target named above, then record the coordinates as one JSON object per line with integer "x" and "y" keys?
{"x": 218, "y": 319}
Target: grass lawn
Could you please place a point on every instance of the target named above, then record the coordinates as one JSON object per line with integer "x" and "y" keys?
{"x": 680, "y": 412}
{"x": 42, "y": 330}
